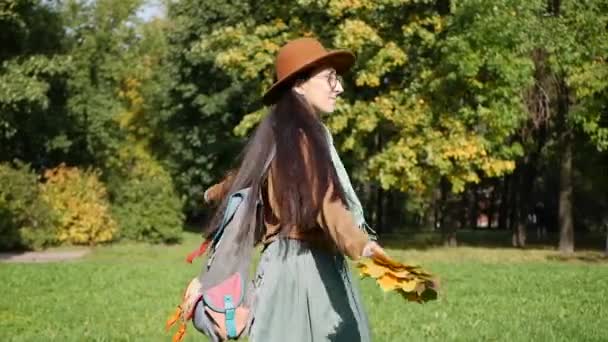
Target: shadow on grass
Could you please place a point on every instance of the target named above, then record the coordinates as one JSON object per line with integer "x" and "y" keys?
{"x": 586, "y": 257}
{"x": 487, "y": 239}
{"x": 430, "y": 240}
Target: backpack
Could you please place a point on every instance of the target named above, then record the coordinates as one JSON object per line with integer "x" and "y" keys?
{"x": 218, "y": 300}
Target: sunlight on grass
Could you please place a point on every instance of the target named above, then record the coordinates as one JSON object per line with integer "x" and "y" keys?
{"x": 494, "y": 255}
{"x": 124, "y": 292}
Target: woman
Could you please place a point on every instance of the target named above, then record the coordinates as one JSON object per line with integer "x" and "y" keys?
{"x": 304, "y": 290}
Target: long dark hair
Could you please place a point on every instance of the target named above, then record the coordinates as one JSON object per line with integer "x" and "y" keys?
{"x": 302, "y": 172}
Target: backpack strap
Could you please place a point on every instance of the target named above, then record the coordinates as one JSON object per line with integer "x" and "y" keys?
{"x": 230, "y": 317}
{"x": 212, "y": 238}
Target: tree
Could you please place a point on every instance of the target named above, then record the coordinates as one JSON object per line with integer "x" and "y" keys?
{"x": 575, "y": 38}
{"x": 395, "y": 126}
{"x": 548, "y": 58}
{"x": 204, "y": 102}
{"x": 33, "y": 73}
{"x": 102, "y": 38}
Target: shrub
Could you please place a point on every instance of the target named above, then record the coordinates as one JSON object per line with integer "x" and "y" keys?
{"x": 81, "y": 203}
{"x": 26, "y": 221}
{"x": 145, "y": 203}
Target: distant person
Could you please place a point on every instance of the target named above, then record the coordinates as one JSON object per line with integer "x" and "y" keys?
{"x": 541, "y": 220}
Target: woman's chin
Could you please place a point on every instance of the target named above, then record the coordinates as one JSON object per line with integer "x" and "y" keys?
{"x": 328, "y": 109}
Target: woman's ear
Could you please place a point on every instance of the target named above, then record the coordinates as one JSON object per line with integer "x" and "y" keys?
{"x": 298, "y": 88}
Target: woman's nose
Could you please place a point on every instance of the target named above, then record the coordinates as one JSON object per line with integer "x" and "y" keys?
{"x": 339, "y": 89}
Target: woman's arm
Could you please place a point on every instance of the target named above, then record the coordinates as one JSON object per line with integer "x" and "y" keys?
{"x": 218, "y": 191}
{"x": 334, "y": 218}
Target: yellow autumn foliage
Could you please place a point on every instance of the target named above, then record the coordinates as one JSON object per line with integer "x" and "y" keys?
{"x": 412, "y": 282}
{"x": 355, "y": 35}
{"x": 80, "y": 200}
{"x": 338, "y": 8}
{"x": 406, "y": 122}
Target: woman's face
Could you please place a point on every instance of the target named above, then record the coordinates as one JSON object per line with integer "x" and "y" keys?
{"x": 321, "y": 90}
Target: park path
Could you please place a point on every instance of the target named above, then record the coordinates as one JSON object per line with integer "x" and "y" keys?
{"x": 43, "y": 256}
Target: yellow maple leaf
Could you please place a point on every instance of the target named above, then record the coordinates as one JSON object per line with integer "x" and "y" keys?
{"x": 370, "y": 268}
{"x": 401, "y": 274}
{"x": 388, "y": 283}
{"x": 408, "y": 285}
{"x": 411, "y": 281}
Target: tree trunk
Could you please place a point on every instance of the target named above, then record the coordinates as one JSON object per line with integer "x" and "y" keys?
{"x": 391, "y": 218}
{"x": 464, "y": 210}
{"x": 518, "y": 216}
{"x": 379, "y": 192}
{"x": 474, "y": 206}
{"x": 566, "y": 228}
{"x": 519, "y": 228}
{"x": 492, "y": 207}
{"x": 519, "y": 235}
{"x": 606, "y": 251}
{"x": 437, "y": 209}
{"x": 380, "y": 210}
{"x": 504, "y": 203}
{"x": 428, "y": 218}
{"x": 368, "y": 201}
{"x": 513, "y": 203}
{"x": 448, "y": 230}
{"x": 525, "y": 194}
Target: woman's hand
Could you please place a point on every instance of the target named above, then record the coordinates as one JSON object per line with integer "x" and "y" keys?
{"x": 206, "y": 196}
{"x": 373, "y": 249}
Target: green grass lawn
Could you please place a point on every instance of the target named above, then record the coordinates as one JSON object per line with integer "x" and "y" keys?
{"x": 125, "y": 293}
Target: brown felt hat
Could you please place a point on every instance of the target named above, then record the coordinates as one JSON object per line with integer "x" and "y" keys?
{"x": 300, "y": 55}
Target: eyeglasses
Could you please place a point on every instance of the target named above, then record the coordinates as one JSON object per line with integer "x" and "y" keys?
{"x": 332, "y": 79}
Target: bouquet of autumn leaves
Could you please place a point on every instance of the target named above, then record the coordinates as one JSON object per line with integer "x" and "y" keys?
{"x": 412, "y": 282}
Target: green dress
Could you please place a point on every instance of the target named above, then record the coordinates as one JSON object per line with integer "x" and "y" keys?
{"x": 306, "y": 294}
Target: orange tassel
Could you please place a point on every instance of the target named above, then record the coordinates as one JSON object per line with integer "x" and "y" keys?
{"x": 199, "y": 251}
{"x": 179, "y": 335}
{"x": 172, "y": 319}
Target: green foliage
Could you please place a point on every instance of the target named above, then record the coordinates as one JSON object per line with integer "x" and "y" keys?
{"x": 80, "y": 201}
{"x": 582, "y": 60}
{"x": 145, "y": 203}
{"x": 417, "y": 107}
{"x": 454, "y": 91}
{"x": 204, "y": 102}
{"x": 31, "y": 108}
{"x": 100, "y": 36}
{"x": 144, "y": 199}
{"x": 26, "y": 221}
{"x": 92, "y": 90}
{"x": 29, "y": 27}
{"x": 33, "y": 72}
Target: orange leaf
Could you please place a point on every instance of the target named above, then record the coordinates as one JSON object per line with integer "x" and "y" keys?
{"x": 388, "y": 282}
{"x": 179, "y": 335}
{"x": 173, "y": 318}
{"x": 388, "y": 261}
